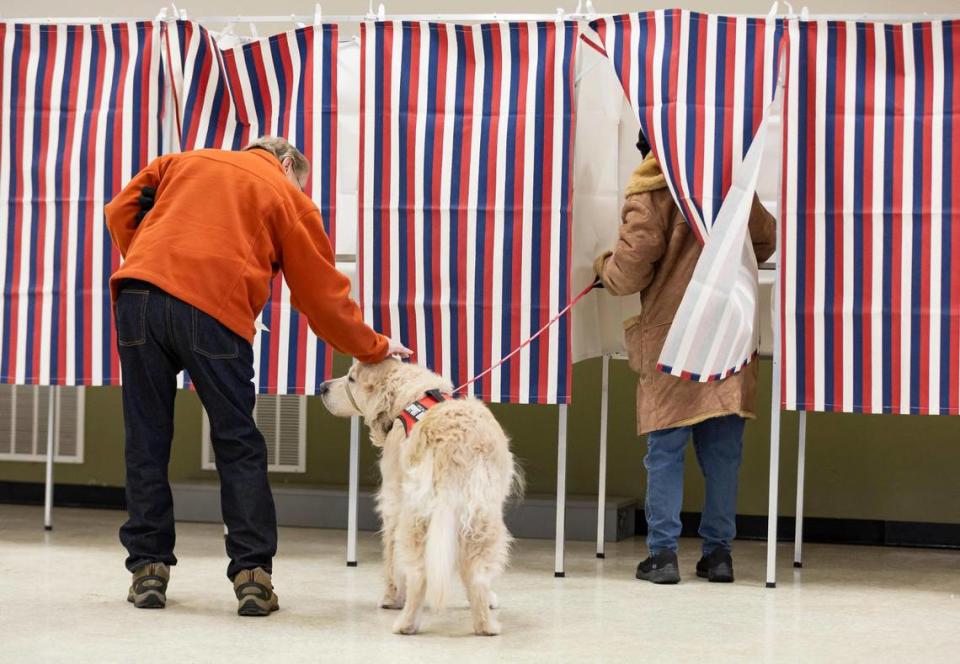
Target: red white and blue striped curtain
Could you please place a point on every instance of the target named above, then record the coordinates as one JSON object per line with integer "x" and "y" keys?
{"x": 80, "y": 114}
{"x": 870, "y": 231}
{"x": 285, "y": 85}
{"x": 701, "y": 86}
{"x": 466, "y": 137}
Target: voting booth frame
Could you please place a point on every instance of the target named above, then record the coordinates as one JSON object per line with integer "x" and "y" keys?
{"x": 562, "y": 409}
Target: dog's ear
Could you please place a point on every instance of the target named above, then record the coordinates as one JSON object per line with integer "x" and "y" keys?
{"x": 383, "y": 385}
{"x": 382, "y": 424}
{"x": 383, "y": 402}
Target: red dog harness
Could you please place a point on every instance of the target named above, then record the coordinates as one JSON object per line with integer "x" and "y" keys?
{"x": 415, "y": 411}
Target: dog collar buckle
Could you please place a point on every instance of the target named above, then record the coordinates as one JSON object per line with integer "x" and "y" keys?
{"x": 416, "y": 411}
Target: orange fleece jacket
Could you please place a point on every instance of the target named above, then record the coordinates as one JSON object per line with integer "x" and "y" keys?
{"x": 222, "y": 226}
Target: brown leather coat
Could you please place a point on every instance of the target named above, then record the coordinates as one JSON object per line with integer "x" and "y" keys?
{"x": 655, "y": 256}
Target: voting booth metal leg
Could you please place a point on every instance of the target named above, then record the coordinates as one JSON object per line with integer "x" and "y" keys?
{"x": 774, "y": 485}
{"x": 801, "y": 463}
{"x": 602, "y": 481}
{"x": 558, "y": 569}
{"x": 774, "y": 481}
{"x": 353, "y": 490}
{"x": 51, "y": 451}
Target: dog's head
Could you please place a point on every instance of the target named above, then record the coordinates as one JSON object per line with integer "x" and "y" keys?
{"x": 379, "y": 393}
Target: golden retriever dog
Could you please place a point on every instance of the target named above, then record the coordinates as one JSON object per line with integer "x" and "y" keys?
{"x": 443, "y": 489}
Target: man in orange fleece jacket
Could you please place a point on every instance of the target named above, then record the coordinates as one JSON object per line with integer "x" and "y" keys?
{"x": 202, "y": 234}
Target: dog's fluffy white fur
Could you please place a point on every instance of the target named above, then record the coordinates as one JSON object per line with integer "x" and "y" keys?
{"x": 443, "y": 490}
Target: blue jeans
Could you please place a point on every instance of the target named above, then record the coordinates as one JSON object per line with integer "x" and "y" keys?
{"x": 158, "y": 336}
{"x": 719, "y": 446}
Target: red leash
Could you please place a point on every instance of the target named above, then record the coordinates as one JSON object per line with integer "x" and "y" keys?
{"x": 595, "y": 284}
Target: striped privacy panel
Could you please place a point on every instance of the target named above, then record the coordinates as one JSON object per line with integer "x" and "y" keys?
{"x": 699, "y": 84}
{"x": 701, "y": 87}
{"x": 79, "y": 116}
{"x": 465, "y": 197}
{"x": 871, "y": 218}
{"x": 285, "y": 85}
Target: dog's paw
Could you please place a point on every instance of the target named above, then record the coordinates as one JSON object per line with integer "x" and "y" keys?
{"x": 391, "y": 602}
{"x": 494, "y": 600}
{"x": 487, "y": 628}
{"x": 406, "y": 627}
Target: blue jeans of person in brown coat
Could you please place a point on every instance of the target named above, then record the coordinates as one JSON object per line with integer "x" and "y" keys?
{"x": 718, "y": 443}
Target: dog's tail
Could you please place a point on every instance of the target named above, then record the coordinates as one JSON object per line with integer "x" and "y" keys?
{"x": 441, "y": 554}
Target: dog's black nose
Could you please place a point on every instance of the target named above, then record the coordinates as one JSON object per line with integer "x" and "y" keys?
{"x": 324, "y": 388}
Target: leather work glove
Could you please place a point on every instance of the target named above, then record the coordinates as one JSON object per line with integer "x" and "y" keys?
{"x": 148, "y": 196}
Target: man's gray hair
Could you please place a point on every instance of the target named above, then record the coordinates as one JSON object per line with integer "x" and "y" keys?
{"x": 281, "y": 148}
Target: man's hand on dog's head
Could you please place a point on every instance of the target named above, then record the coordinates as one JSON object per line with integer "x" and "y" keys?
{"x": 397, "y": 349}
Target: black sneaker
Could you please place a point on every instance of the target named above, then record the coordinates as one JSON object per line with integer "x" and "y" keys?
{"x": 660, "y": 568}
{"x": 717, "y": 567}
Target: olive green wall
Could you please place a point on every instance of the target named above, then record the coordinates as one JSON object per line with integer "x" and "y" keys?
{"x": 858, "y": 466}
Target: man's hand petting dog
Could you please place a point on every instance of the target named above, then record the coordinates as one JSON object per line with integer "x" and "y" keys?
{"x": 398, "y": 350}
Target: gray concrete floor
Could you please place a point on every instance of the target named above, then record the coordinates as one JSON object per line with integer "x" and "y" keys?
{"x": 63, "y": 599}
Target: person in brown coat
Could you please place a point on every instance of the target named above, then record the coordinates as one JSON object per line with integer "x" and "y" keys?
{"x": 655, "y": 256}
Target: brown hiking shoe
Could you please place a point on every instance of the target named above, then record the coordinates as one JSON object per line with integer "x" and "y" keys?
{"x": 254, "y": 590}
{"x": 149, "y": 587}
